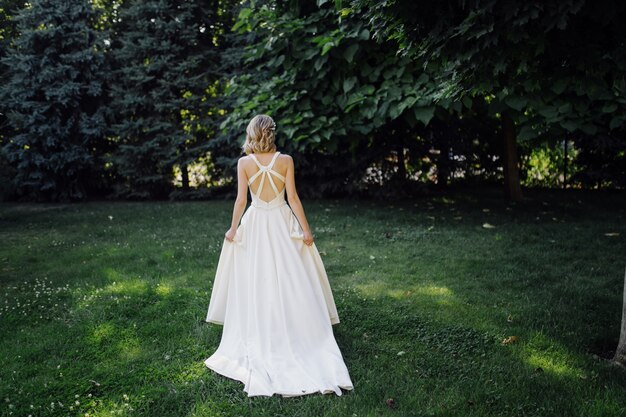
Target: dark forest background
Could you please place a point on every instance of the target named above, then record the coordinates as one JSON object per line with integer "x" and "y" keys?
{"x": 150, "y": 99}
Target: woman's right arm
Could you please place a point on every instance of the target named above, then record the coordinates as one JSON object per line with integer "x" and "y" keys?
{"x": 240, "y": 202}
{"x": 295, "y": 203}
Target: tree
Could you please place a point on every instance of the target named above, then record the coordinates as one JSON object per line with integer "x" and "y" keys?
{"x": 164, "y": 55}
{"x": 545, "y": 68}
{"x": 54, "y": 97}
{"x": 333, "y": 91}
{"x": 8, "y": 33}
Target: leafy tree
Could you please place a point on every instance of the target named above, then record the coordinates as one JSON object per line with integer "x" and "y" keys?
{"x": 546, "y": 69}
{"x": 54, "y": 95}
{"x": 333, "y": 91}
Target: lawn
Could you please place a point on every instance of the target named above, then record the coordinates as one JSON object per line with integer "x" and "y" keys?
{"x": 102, "y": 307}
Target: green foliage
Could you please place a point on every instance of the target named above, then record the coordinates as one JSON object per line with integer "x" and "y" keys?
{"x": 163, "y": 56}
{"x": 54, "y": 97}
{"x": 558, "y": 68}
{"x": 369, "y": 96}
{"x": 327, "y": 83}
{"x": 7, "y": 174}
{"x": 341, "y": 101}
{"x": 8, "y": 32}
{"x": 545, "y": 165}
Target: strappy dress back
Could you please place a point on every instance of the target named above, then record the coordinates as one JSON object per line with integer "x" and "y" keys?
{"x": 267, "y": 171}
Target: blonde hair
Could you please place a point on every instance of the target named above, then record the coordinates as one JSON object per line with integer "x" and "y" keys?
{"x": 260, "y": 135}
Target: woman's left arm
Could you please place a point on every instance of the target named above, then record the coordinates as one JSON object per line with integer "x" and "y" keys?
{"x": 240, "y": 202}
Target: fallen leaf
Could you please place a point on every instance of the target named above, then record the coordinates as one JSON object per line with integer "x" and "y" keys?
{"x": 509, "y": 340}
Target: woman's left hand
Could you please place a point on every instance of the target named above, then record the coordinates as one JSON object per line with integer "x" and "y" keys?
{"x": 230, "y": 235}
{"x": 307, "y": 237}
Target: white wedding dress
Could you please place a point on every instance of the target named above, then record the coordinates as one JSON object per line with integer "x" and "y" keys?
{"x": 272, "y": 295}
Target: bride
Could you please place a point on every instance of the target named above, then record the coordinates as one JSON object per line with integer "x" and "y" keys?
{"x": 271, "y": 292}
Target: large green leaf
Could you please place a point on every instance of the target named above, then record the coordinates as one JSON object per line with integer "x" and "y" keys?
{"x": 327, "y": 47}
{"x": 516, "y": 102}
{"x": 348, "y": 54}
{"x": 348, "y": 84}
{"x": 570, "y": 125}
{"x": 424, "y": 114}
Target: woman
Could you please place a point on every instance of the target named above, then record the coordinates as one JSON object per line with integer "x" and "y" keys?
{"x": 271, "y": 292}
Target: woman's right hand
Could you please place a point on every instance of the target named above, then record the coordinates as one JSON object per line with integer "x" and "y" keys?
{"x": 230, "y": 234}
{"x": 307, "y": 237}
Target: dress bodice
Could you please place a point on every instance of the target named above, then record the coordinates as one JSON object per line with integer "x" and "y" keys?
{"x": 267, "y": 171}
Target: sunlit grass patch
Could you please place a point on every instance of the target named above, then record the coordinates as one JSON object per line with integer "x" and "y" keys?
{"x": 546, "y": 355}
{"x": 438, "y": 294}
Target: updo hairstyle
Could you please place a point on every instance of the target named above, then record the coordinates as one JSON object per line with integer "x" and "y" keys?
{"x": 260, "y": 135}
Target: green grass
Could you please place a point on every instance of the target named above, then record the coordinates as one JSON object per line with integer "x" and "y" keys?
{"x": 104, "y": 304}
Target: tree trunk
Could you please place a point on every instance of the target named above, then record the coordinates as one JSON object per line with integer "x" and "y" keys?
{"x": 565, "y": 164}
{"x": 512, "y": 186}
{"x": 185, "y": 176}
{"x": 620, "y": 353}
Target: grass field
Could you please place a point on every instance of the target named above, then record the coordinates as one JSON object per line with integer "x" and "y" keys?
{"x": 102, "y": 307}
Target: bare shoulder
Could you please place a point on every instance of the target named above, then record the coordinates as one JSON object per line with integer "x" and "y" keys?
{"x": 243, "y": 160}
{"x": 286, "y": 157}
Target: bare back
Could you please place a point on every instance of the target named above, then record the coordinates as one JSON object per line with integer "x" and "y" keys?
{"x": 266, "y": 173}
